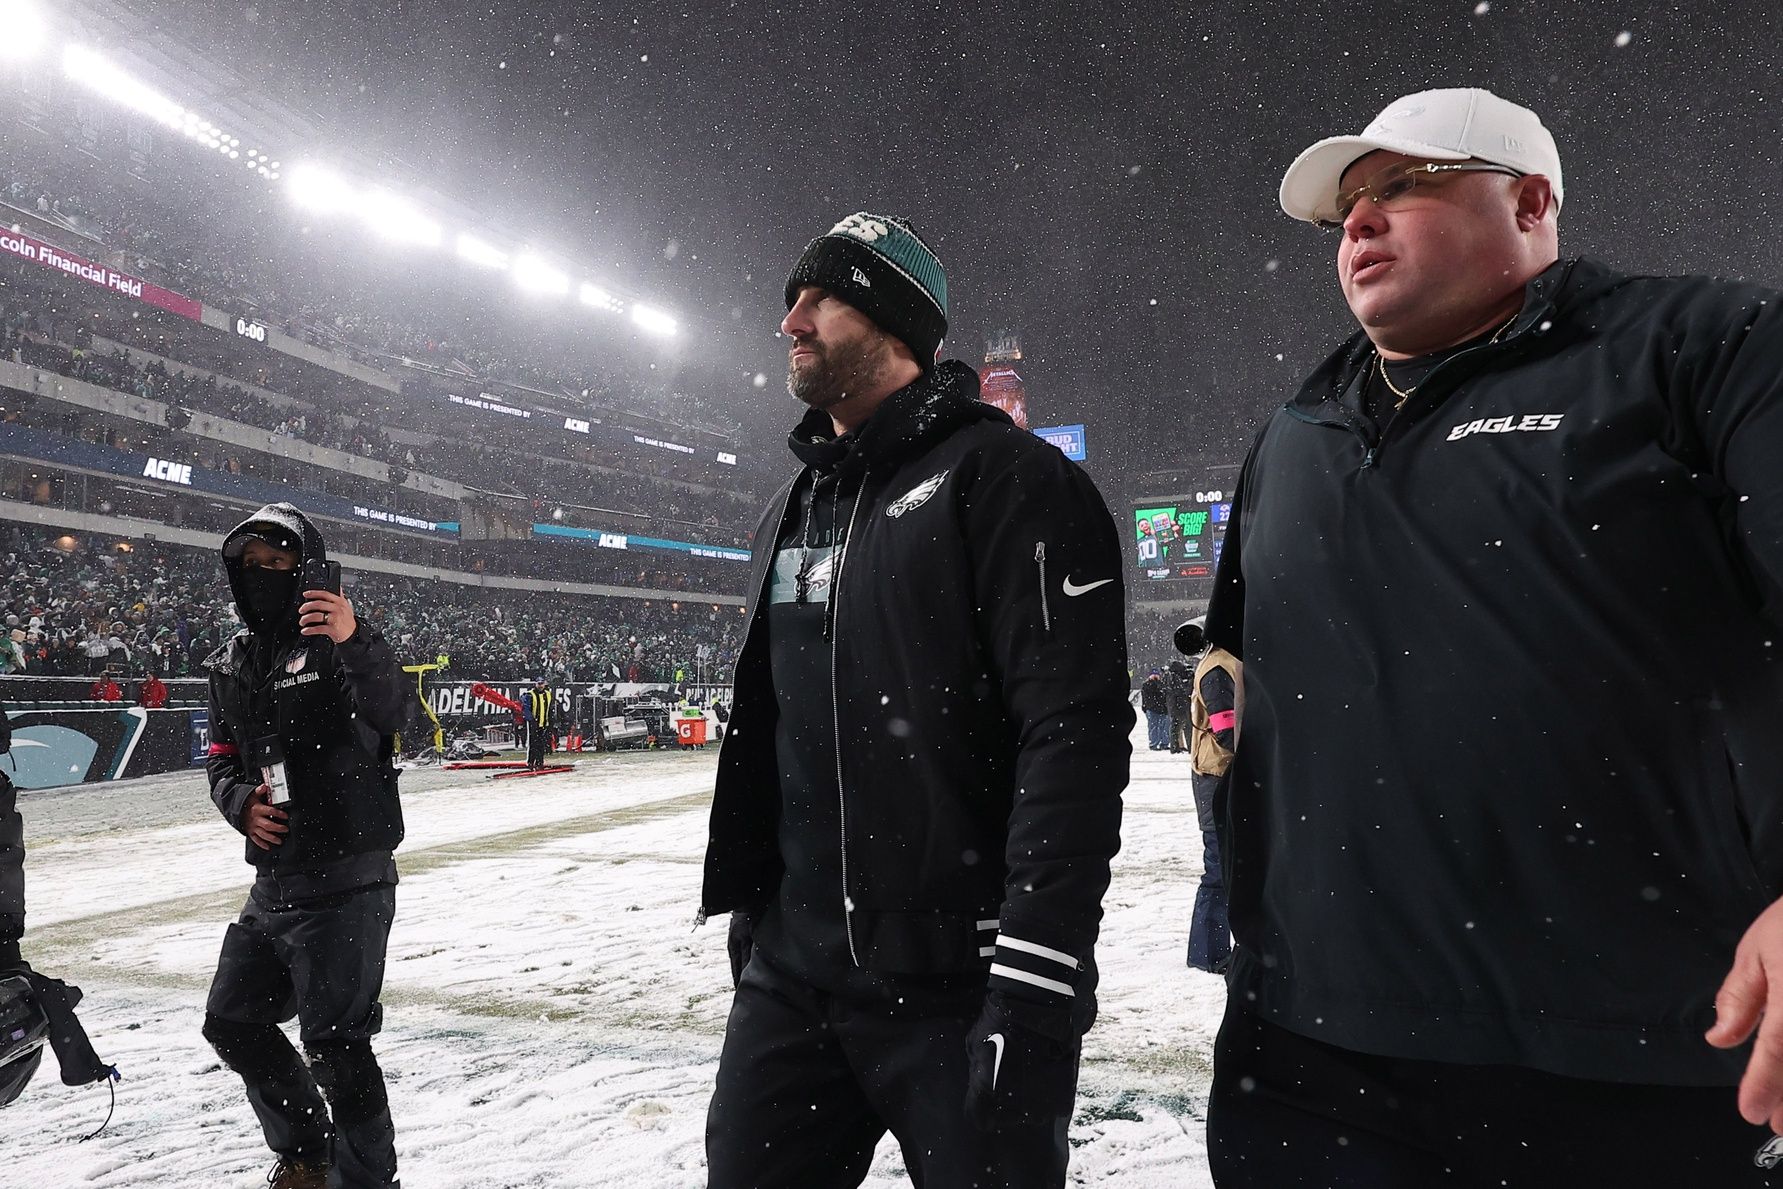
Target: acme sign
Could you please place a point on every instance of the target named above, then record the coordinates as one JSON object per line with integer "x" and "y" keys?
{"x": 172, "y": 472}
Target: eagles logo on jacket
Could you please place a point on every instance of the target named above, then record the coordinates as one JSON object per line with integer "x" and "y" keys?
{"x": 979, "y": 673}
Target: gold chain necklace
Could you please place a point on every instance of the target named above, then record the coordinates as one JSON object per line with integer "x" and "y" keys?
{"x": 1405, "y": 394}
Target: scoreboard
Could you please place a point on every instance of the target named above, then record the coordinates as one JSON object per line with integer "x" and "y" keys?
{"x": 1178, "y": 538}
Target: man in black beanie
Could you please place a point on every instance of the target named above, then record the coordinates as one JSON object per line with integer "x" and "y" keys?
{"x": 304, "y": 702}
{"x": 920, "y": 789}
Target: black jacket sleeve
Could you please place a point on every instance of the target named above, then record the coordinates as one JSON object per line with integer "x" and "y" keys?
{"x": 12, "y": 867}
{"x": 1225, "y": 610}
{"x": 1727, "y": 398}
{"x": 230, "y": 783}
{"x": 372, "y": 678}
{"x": 1051, "y": 617}
{"x": 1219, "y": 694}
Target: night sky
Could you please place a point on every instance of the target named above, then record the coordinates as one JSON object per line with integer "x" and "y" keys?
{"x": 1100, "y": 179}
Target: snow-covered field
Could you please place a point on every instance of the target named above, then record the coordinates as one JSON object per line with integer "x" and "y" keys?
{"x": 551, "y": 1016}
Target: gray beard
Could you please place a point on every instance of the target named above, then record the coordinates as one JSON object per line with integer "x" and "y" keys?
{"x": 829, "y": 382}
{"x": 818, "y": 387}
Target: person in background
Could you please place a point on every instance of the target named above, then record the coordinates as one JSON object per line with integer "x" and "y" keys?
{"x": 304, "y": 702}
{"x": 106, "y": 689}
{"x": 15, "y": 1074}
{"x": 153, "y": 693}
{"x": 1179, "y": 698}
{"x": 97, "y": 650}
{"x": 539, "y": 706}
{"x": 1213, "y": 732}
{"x": 39, "y": 1010}
{"x": 14, "y": 657}
{"x": 1157, "y": 711}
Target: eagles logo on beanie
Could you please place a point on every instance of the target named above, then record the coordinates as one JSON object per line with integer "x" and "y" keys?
{"x": 881, "y": 267}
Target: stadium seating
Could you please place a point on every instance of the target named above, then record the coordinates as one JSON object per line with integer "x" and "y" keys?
{"x": 81, "y": 604}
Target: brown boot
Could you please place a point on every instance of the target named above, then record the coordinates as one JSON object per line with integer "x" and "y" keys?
{"x": 298, "y": 1174}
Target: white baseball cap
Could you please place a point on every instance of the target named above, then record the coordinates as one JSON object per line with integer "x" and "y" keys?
{"x": 1452, "y": 124}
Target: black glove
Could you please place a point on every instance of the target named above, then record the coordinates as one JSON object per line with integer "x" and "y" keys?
{"x": 740, "y": 942}
{"x": 11, "y": 961}
{"x": 74, "y": 1052}
{"x": 1021, "y": 1064}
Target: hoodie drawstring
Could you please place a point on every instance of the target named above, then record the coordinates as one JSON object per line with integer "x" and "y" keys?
{"x": 841, "y": 554}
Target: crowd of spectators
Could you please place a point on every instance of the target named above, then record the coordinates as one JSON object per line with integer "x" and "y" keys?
{"x": 133, "y": 608}
{"x": 230, "y": 263}
{"x": 511, "y": 635}
{"x": 33, "y": 335}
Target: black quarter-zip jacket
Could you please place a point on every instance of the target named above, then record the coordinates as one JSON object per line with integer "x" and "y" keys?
{"x": 977, "y": 666}
{"x": 1509, "y": 787}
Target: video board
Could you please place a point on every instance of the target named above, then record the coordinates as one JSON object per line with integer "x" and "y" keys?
{"x": 1179, "y": 538}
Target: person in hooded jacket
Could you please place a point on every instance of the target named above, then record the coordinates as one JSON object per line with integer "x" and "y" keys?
{"x": 920, "y": 789}
{"x": 1179, "y": 697}
{"x": 306, "y": 699}
{"x": 1157, "y": 711}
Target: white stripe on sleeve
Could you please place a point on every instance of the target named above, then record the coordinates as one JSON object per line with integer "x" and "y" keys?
{"x": 1041, "y": 951}
{"x": 1022, "y": 976}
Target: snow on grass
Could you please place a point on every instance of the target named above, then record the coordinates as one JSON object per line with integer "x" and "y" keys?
{"x": 552, "y": 1018}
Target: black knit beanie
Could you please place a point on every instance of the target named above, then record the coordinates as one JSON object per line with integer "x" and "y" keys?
{"x": 882, "y": 268}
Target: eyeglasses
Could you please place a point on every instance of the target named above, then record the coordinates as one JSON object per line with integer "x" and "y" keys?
{"x": 1395, "y": 182}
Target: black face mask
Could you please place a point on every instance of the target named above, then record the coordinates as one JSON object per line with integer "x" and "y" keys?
{"x": 266, "y": 597}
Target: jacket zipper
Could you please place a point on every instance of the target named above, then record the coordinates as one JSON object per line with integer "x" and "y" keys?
{"x": 1040, "y": 564}
{"x": 1371, "y": 449}
{"x": 701, "y": 916}
{"x": 836, "y": 709}
{"x": 1368, "y": 459}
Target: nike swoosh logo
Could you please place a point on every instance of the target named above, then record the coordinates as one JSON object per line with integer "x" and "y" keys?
{"x": 996, "y": 1038}
{"x": 1072, "y": 590}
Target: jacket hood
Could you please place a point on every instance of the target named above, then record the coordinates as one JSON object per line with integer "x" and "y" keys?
{"x": 911, "y": 419}
{"x": 274, "y": 521}
{"x": 1563, "y": 283}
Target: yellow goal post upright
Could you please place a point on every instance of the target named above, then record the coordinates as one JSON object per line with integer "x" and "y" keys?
{"x": 442, "y": 661}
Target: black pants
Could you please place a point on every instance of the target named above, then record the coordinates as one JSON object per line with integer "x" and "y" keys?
{"x": 321, "y": 961}
{"x": 536, "y": 739}
{"x": 1287, "y": 1112}
{"x": 808, "y": 1084}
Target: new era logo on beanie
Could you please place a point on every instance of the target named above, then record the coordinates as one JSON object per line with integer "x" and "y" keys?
{"x": 881, "y": 267}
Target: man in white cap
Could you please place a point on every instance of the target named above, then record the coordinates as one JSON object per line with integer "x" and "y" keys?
{"x": 1504, "y": 830}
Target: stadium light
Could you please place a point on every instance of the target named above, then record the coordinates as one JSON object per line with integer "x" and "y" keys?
{"x": 479, "y": 253}
{"x": 397, "y": 219}
{"x": 534, "y": 275}
{"x": 600, "y": 299}
{"x": 653, "y": 321}
{"x": 98, "y": 73}
{"x": 318, "y": 188}
{"x": 27, "y": 30}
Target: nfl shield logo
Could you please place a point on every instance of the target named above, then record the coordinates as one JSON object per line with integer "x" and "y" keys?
{"x": 297, "y": 662}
